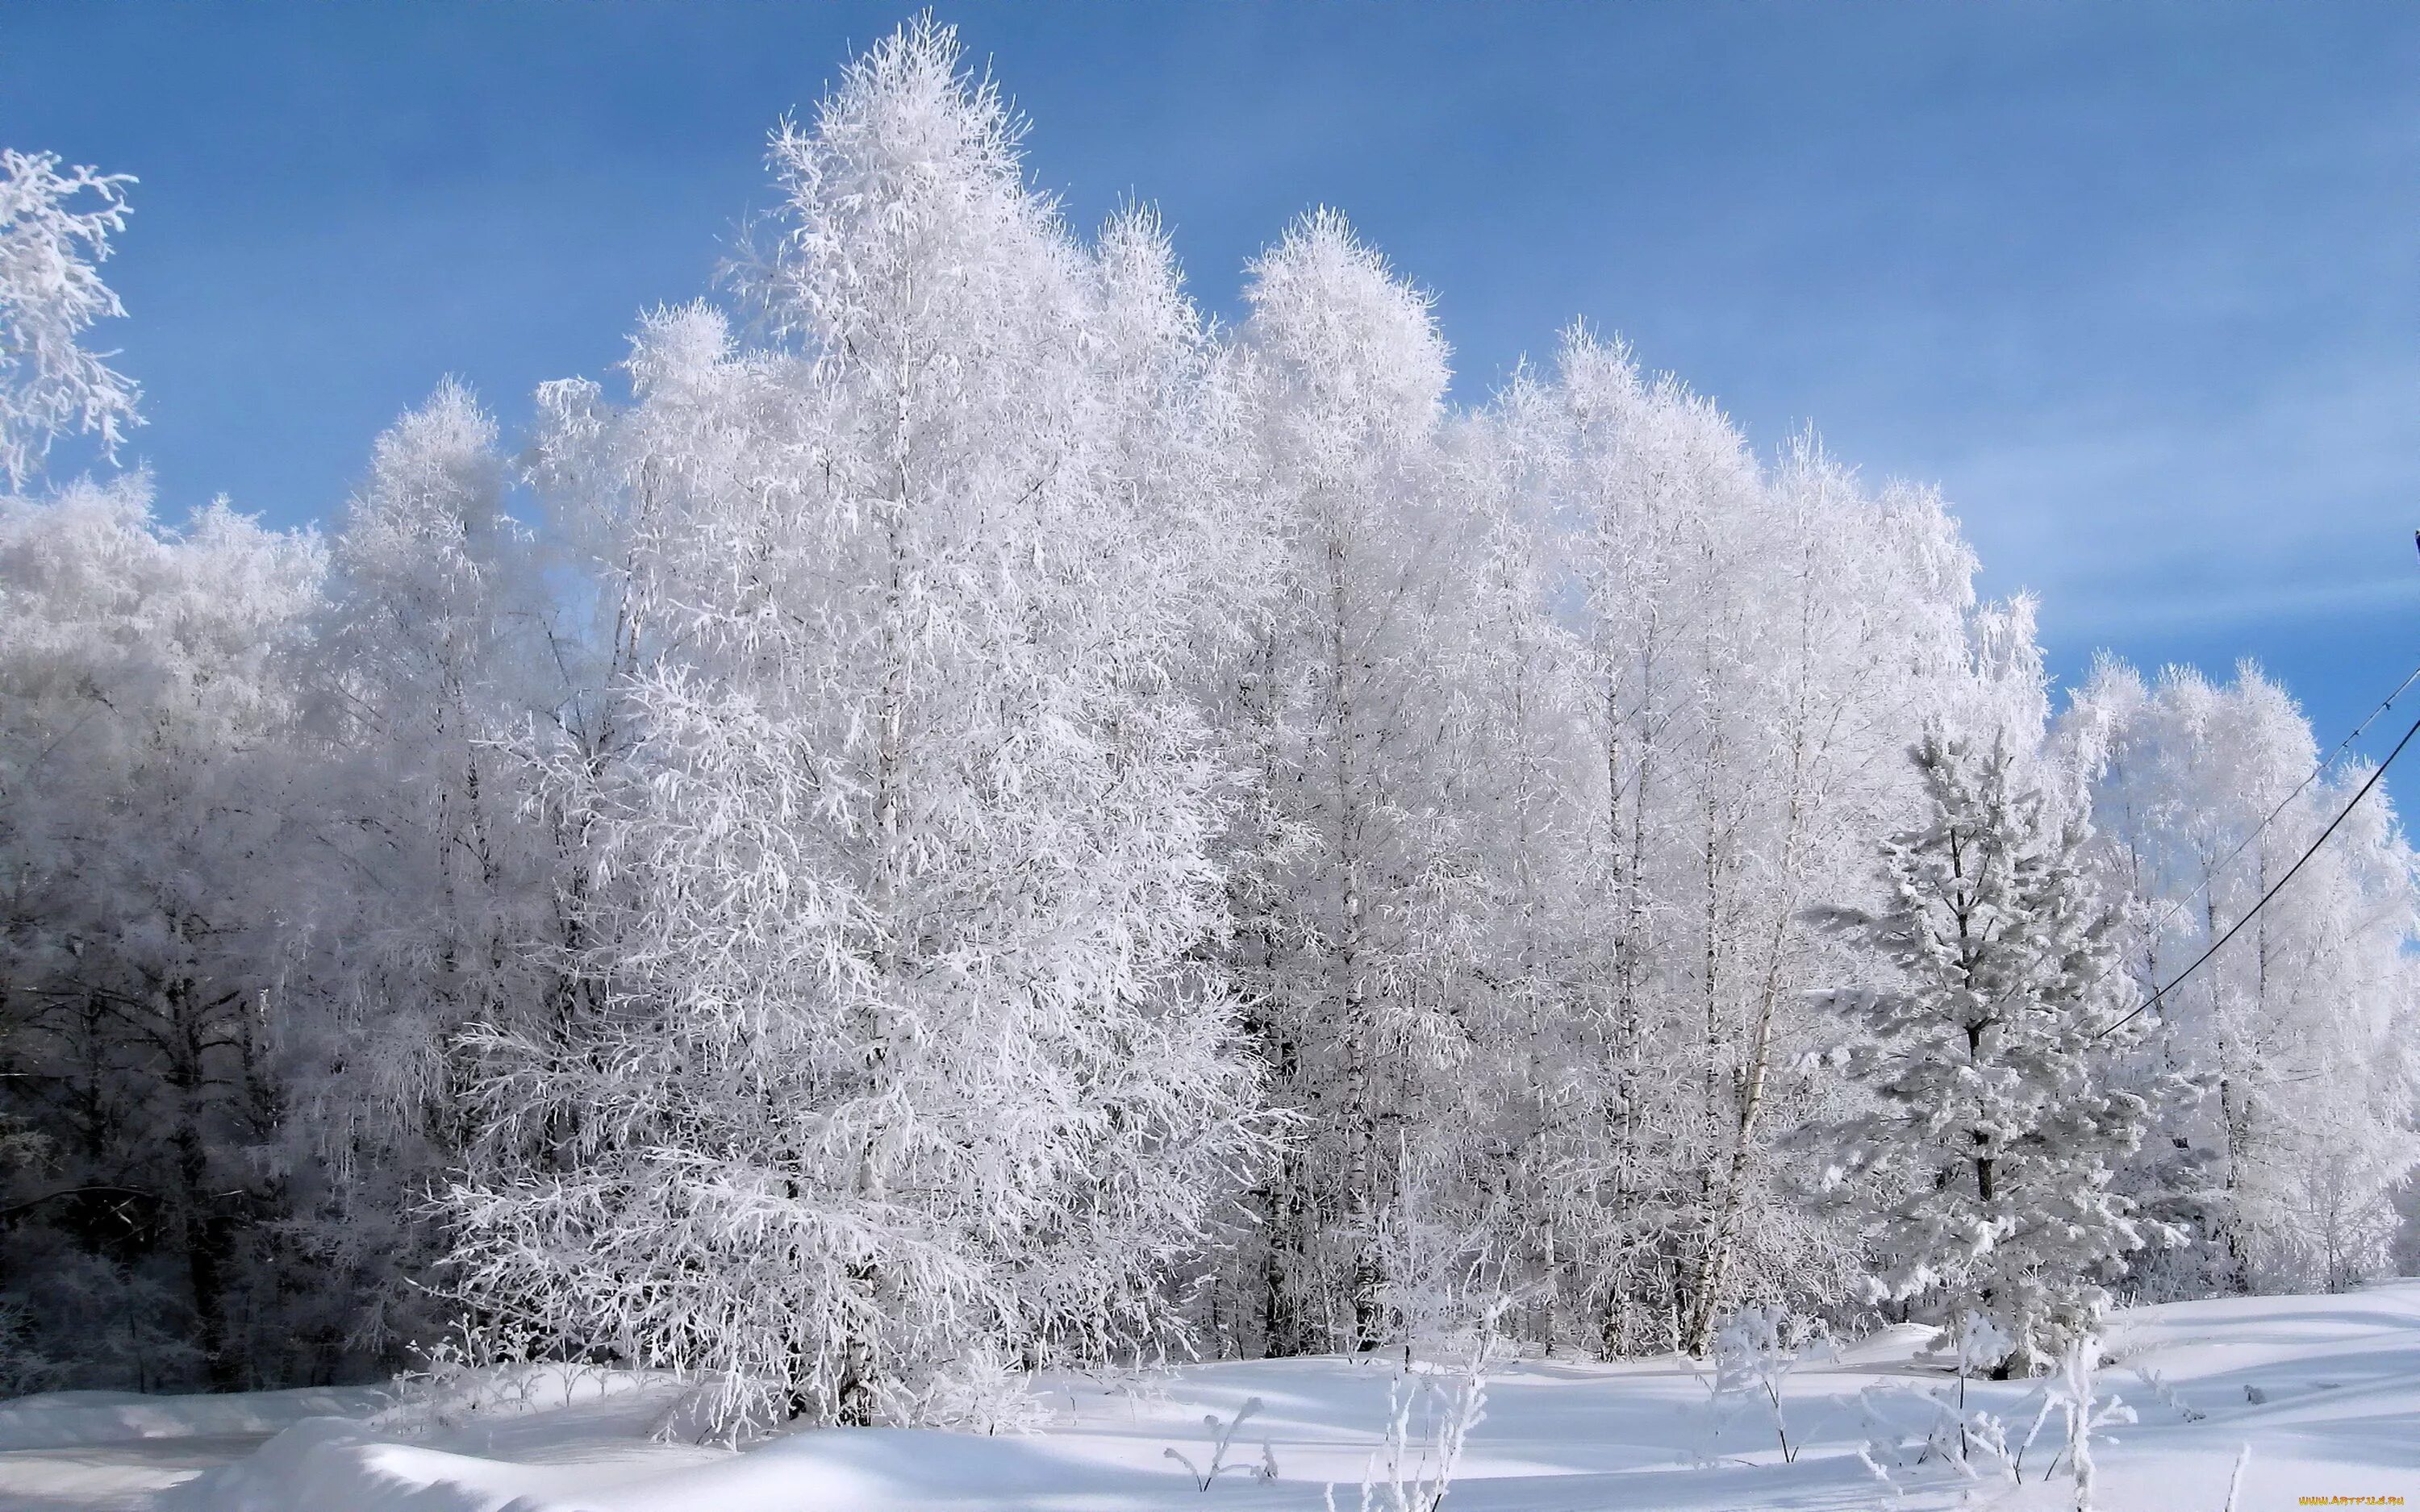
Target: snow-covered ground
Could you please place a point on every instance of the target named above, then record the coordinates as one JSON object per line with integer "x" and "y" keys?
{"x": 2324, "y": 1390}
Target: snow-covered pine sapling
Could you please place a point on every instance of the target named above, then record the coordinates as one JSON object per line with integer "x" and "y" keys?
{"x": 1999, "y": 1111}
{"x": 1221, "y": 1435}
{"x": 1755, "y": 1350}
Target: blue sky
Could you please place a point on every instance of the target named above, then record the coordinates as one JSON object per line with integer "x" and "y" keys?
{"x": 2136, "y": 285}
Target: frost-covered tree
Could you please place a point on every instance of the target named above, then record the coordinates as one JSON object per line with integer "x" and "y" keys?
{"x": 150, "y": 814}
{"x": 1997, "y": 1128}
{"x": 55, "y": 231}
{"x": 1813, "y": 731}
{"x": 1347, "y": 383}
{"x": 2204, "y": 795}
{"x": 1754, "y": 642}
{"x": 900, "y": 1053}
{"x": 1502, "y": 921}
{"x": 147, "y": 816}
{"x": 437, "y": 650}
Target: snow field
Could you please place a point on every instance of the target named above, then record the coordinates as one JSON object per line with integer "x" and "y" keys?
{"x": 2325, "y": 1390}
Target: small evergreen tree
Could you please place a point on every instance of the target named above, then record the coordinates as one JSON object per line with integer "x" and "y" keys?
{"x": 1995, "y": 1124}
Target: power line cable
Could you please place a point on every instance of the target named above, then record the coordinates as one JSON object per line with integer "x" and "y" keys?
{"x": 2254, "y": 911}
{"x": 2209, "y": 876}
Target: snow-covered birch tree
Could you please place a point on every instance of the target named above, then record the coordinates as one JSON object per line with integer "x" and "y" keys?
{"x": 2204, "y": 795}
{"x": 902, "y": 1052}
{"x": 432, "y": 661}
{"x": 1348, "y": 377}
{"x": 1757, "y": 643}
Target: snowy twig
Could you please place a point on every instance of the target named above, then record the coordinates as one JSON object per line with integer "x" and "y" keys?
{"x": 1221, "y": 1435}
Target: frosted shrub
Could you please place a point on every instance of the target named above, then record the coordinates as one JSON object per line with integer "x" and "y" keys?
{"x": 986, "y": 1393}
{"x": 460, "y": 1381}
{"x": 1755, "y": 1350}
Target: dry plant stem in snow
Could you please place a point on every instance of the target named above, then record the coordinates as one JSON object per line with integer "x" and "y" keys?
{"x": 2166, "y": 1395}
{"x": 1415, "y": 1468}
{"x": 2235, "y": 1480}
{"x": 1221, "y": 1435}
{"x": 2074, "y": 1389}
{"x": 1956, "y": 1434}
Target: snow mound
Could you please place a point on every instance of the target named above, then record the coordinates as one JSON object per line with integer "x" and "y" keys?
{"x": 329, "y": 1462}
{"x": 325, "y": 1463}
{"x": 69, "y": 1418}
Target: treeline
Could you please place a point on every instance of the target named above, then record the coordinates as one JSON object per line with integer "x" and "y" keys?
{"x": 989, "y": 819}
